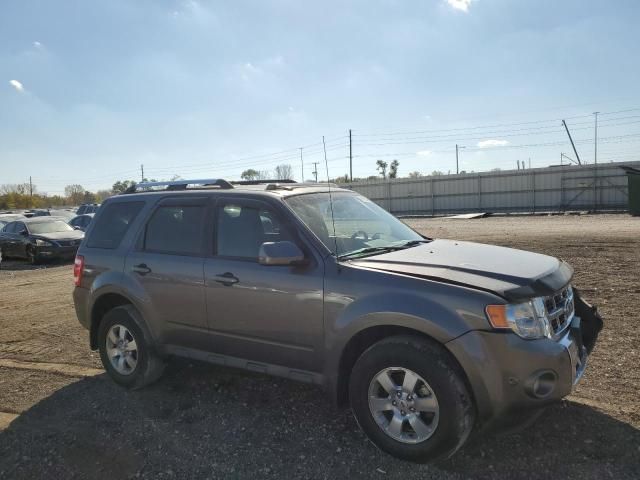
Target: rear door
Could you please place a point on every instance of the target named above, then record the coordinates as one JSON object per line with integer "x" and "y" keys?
{"x": 167, "y": 265}
{"x": 270, "y": 314}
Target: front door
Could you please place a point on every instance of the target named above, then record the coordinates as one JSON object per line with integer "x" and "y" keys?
{"x": 270, "y": 314}
{"x": 167, "y": 266}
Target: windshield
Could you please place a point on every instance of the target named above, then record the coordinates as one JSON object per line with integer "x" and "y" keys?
{"x": 49, "y": 227}
{"x": 360, "y": 224}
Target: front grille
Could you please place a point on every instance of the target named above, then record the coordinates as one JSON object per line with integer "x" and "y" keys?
{"x": 559, "y": 308}
{"x": 68, "y": 243}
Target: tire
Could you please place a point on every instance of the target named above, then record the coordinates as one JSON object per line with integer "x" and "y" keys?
{"x": 138, "y": 369}
{"x": 31, "y": 256}
{"x": 440, "y": 399}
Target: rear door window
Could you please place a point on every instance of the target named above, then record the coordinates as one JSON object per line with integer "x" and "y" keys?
{"x": 176, "y": 230}
{"x": 113, "y": 224}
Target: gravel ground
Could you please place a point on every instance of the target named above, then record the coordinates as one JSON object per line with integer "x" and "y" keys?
{"x": 201, "y": 421}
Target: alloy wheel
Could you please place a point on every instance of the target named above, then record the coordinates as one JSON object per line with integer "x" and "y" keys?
{"x": 403, "y": 405}
{"x": 122, "y": 349}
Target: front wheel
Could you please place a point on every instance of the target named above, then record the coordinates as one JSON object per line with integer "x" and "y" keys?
{"x": 32, "y": 257}
{"x": 126, "y": 351}
{"x": 409, "y": 397}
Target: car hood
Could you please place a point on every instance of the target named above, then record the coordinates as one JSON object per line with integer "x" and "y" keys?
{"x": 72, "y": 235}
{"x": 510, "y": 273}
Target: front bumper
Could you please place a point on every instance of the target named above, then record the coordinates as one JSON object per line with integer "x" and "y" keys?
{"x": 56, "y": 252}
{"x": 510, "y": 375}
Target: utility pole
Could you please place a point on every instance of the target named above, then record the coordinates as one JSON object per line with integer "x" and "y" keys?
{"x": 571, "y": 140}
{"x": 350, "y": 157}
{"x": 457, "y": 167}
{"x": 595, "y": 151}
{"x": 141, "y": 173}
{"x": 529, "y": 162}
{"x": 315, "y": 171}
{"x": 30, "y": 187}
{"x": 302, "y": 167}
{"x": 518, "y": 164}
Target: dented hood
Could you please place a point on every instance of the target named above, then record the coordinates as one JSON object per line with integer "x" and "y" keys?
{"x": 510, "y": 273}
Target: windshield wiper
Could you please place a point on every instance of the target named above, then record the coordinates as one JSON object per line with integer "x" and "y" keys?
{"x": 368, "y": 251}
{"x": 387, "y": 248}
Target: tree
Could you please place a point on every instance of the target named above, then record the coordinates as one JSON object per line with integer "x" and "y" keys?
{"x": 75, "y": 193}
{"x": 415, "y": 174}
{"x": 88, "y": 197}
{"x": 102, "y": 195}
{"x": 122, "y": 185}
{"x": 249, "y": 174}
{"x": 436, "y": 173}
{"x": 393, "y": 171}
{"x": 342, "y": 179}
{"x": 381, "y": 166}
{"x": 284, "y": 172}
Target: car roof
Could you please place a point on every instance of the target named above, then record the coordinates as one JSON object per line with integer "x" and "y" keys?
{"x": 41, "y": 219}
{"x": 277, "y": 190}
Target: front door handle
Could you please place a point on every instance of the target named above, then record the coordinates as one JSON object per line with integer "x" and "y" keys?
{"x": 141, "y": 268}
{"x": 227, "y": 279}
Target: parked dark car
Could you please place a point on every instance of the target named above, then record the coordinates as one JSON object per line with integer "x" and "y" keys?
{"x": 66, "y": 215}
{"x": 81, "y": 222}
{"x": 36, "y": 213}
{"x": 87, "y": 208}
{"x": 39, "y": 238}
{"x": 426, "y": 339}
{"x": 6, "y": 218}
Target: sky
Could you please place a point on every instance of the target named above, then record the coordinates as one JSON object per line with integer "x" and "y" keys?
{"x": 90, "y": 90}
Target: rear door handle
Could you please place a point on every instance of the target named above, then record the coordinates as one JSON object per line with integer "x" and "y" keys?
{"x": 227, "y": 279}
{"x": 141, "y": 268}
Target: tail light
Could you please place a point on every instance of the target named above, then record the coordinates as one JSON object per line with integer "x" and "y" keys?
{"x": 78, "y": 267}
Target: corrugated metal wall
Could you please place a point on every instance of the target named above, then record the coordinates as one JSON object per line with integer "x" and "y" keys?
{"x": 577, "y": 187}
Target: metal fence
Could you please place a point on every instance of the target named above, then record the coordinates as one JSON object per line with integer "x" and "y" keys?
{"x": 576, "y": 187}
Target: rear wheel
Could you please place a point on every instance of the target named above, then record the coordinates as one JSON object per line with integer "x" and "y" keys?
{"x": 410, "y": 398}
{"x": 126, "y": 351}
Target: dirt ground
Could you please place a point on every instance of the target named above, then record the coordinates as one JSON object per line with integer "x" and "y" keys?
{"x": 63, "y": 418}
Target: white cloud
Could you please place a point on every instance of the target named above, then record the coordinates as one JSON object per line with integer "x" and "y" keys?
{"x": 424, "y": 153}
{"x": 462, "y": 5}
{"x": 37, "y": 44}
{"x": 17, "y": 85}
{"x": 492, "y": 143}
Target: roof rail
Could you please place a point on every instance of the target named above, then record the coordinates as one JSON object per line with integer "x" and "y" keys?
{"x": 180, "y": 184}
{"x": 261, "y": 182}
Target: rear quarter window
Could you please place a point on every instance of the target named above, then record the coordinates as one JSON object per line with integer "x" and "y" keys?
{"x": 113, "y": 223}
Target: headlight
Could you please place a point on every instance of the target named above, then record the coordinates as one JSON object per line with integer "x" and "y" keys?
{"x": 43, "y": 243}
{"x": 527, "y": 319}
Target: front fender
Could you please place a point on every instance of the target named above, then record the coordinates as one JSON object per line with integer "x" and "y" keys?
{"x": 358, "y": 299}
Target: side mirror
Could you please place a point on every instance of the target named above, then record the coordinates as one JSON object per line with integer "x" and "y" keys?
{"x": 281, "y": 253}
{"x": 24, "y": 233}
{"x": 77, "y": 227}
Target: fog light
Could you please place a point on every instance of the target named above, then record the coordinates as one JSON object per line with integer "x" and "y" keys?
{"x": 541, "y": 384}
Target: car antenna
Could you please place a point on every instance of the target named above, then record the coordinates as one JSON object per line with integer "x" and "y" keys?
{"x": 333, "y": 220}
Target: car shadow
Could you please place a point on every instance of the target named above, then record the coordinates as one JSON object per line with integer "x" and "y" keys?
{"x": 200, "y": 421}
{"x": 15, "y": 265}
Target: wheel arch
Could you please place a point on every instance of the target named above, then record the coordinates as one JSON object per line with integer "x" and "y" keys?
{"x": 367, "y": 337}
{"x": 101, "y": 306}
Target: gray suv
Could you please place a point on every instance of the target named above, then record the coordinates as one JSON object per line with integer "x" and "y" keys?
{"x": 426, "y": 339}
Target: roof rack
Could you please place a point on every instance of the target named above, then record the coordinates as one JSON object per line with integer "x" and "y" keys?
{"x": 179, "y": 184}
{"x": 260, "y": 182}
